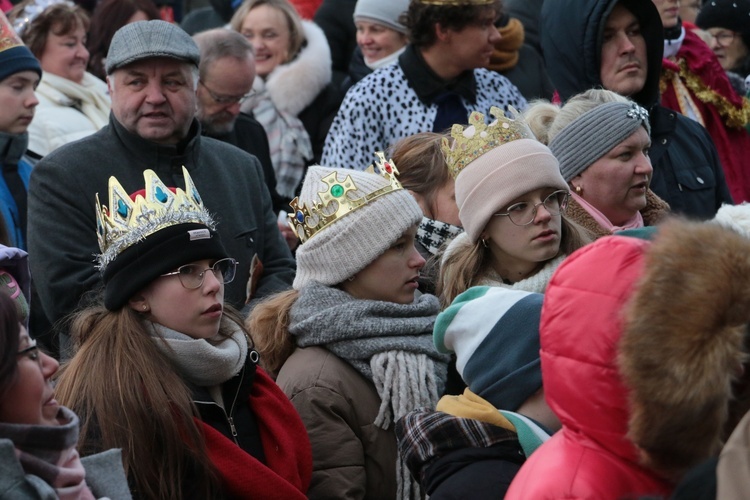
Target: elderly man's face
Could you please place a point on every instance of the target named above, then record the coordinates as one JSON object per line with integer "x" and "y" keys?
{"x": 624, "y": 66}
{"x": 154, "y": 98}
{"x": 224, "y": 85}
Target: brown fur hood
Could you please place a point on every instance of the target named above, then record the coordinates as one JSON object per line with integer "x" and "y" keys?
{"x": 655, "y": 211}
{"x": 682, "y": 347}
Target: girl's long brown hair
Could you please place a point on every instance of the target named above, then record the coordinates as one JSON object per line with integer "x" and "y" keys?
{"x": 129, "y": 396}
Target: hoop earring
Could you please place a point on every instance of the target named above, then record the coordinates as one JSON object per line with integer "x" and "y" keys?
{"x": 484, "y": 242}
{"x": 145, "y": 307}
{"x": 578, "y": 190}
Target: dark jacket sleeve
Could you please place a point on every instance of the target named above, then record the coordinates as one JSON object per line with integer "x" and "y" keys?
{"x": 62, "y": 239}
{"x": 278, "y": 264}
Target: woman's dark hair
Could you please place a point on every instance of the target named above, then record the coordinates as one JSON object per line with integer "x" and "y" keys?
{"x": 9, "y": 329}
{"x": 109, "y": 16}
{"x": 60, "y": 19}
{"x": 421, "y": 19}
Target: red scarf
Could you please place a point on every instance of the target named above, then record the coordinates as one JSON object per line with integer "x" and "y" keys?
{"x": 285, "y": 444}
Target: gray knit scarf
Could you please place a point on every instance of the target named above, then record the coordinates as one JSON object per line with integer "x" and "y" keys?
{"x": 200, "y": 362}
{"x": 388, "y": 343}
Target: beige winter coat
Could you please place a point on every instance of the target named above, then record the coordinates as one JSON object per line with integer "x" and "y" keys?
{"x": 352, "y": 458}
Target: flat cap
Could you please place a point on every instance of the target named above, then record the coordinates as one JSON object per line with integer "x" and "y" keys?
{"x": 145, "y": 39}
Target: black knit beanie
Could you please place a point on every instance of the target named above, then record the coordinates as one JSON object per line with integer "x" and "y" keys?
{"x": 159, "y": 253}
{"x": 730, "y": 14}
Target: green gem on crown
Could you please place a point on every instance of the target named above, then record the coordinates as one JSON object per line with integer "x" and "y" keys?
{"x": 337, "y": 190}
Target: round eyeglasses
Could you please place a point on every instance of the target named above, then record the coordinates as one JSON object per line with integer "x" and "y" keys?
{"x": 226, "y": 99}
{"x": 524, "y": 213}
{"x": 723, "y": 38}
{"x": 191, "y": 275}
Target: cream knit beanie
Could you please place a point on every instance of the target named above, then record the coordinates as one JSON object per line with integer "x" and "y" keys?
{"x": 348, "y": 245}
{"x": 489, "y": 183}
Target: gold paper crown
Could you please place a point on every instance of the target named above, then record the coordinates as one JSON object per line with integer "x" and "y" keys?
{"x": 453, "y": 3}
{"x": 473, "y": 141}
{"x": 132, "y": 220}
{"x": 335, "y": 203}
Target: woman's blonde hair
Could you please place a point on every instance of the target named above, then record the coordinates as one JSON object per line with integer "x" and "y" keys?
{"x": 294, "y": 22}
{"x": 465, "y": 265}
{"x": 546, "y": 120}
{"x": 268, "y": 325}
{"x": 129, "y": 396}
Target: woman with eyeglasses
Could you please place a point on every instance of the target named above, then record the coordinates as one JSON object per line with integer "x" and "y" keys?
{"x": 511, "y": 200}
{"x": 728, "y": 23}
{"x": 294, "y": 99}
{"x": 166, "y": 371}
{"x": 601, "y": 140}
{"x": 38, "y": 455}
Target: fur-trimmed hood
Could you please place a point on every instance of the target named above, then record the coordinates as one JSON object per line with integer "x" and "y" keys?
{"x": 295, "y": 85}
{"x": 682, "y": 346}
{"x": 640, "y": 344}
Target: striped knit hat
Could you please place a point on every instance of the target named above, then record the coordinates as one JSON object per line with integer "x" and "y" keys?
{"x": 494, "y": 333}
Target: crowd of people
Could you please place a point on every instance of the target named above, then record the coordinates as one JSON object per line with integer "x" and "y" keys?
{"x": 375, "y": 249}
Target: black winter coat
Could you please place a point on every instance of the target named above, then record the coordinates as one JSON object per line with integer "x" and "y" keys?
{"x": 687, "y": 171}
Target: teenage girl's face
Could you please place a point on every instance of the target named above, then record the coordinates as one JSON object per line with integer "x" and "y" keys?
{"x": 518, "y": 250}
{"x": 30, "y": 398}
{"x": 196, "y": 313}
{"x": 392, "y": 277}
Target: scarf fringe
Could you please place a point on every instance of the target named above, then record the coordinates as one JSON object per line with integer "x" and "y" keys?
{"x": 404, "y": 381}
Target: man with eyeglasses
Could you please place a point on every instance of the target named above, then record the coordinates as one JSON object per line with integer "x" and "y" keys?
{"x": 225, "y": 78}
{"x": 152, "y": 69}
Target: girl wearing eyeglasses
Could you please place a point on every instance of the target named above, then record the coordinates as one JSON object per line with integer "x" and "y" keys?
{"x": 511, "y": 201}
{"x": 602, "y": 140}
{"x": 165, "y": 370}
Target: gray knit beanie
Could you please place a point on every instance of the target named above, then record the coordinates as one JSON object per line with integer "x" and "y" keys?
{"x": 350, "y": 243}
{"x": 594, "y": 134}
{"x": 385, "y": 12}
{"x": 145, "y": 39}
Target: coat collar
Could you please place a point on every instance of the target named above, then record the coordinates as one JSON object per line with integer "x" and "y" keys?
{"x": 429, "y": 85}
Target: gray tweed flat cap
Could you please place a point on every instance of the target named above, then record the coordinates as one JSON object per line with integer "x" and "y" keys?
{"x": 144, "y": 39}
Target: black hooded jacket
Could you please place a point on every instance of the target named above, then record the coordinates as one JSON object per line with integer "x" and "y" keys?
{"x": 687, "y": 170}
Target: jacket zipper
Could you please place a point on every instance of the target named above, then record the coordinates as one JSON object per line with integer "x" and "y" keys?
{"x": 228, "y": 416}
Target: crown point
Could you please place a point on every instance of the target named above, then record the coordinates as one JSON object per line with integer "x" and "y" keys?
{"x": 474, "y": 140}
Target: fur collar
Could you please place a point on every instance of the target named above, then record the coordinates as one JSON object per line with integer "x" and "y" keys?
{"x": 655, "y": 211}
{"x": 295, "y": 85}
{"x": 682, "y": 343}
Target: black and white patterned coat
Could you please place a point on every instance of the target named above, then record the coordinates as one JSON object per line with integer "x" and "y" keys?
{"x": 383, "y": 108}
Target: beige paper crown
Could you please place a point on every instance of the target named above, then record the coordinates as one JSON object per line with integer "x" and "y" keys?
{"x": 309, "y": 220}
{"x": 129, "y": 221}
{"x": 475, "y": 140}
